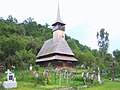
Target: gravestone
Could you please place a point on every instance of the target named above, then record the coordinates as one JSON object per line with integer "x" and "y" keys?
{"x": 11, "y": 80}
{"x": 99, "y": 80}
{"x": 72, "y": 75}
{"x": 66, "y": 76}
{"x": 60, "y": 78}
{"x": 84, "y": 78}
{"x": 92, "y": 76}
{"x": 82, "y": 66}
{"x": 46, "y": 72}
{"x": 30, "y": 67}
{"x": 36, "y": 75}
{"x": 13, "y": 67}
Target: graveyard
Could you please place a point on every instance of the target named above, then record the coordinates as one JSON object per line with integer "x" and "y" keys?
{"x": 51, "y": 79}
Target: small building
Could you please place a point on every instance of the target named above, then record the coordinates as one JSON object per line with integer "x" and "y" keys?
{"x": 56, "y": 51}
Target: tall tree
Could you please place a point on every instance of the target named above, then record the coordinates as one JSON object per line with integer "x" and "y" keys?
{"x": 116, "y": 54}
{"x": 103, "y": 43}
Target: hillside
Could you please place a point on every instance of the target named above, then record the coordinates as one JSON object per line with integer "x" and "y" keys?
{"x": 20, "y": 43}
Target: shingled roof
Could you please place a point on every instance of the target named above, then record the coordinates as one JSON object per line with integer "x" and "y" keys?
{"x": 51, "y": 47}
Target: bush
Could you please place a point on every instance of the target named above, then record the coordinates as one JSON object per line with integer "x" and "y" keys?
{"x": 78, "y": 78}
{"x": 76, "y": 83}
{"x": 23, "y": 75}
{"x": 2, "y": 77}
{"x": 36, "y": 67}
{"x": 117, "y": 76}
{"x": 42, "y": 80}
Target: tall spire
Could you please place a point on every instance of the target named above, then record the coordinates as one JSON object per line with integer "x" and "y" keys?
{"x": 58, "y": 20}
{"x": 58, "y": 15}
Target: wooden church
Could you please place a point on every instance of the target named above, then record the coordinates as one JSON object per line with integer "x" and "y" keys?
{"x": 56, "y": 51}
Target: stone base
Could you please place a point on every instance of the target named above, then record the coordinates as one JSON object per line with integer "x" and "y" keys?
{"x": 10, "y": 84}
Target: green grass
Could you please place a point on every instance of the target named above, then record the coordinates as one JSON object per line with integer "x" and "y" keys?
{"x": 108, "y": 85}
{"x": 32, "y": 86}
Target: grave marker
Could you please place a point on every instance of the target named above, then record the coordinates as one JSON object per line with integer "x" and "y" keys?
{"x": 99, "y": 79}
{"x": 11, "y": 80}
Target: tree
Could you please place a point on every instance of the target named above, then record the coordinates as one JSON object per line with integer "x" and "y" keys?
{"x": 28, "y": 20}
{"x": 10, "y": 18}
{"x": 47, "y": 25}
{"x": 116, "y": 54}
{"x": 24, "y": 58}
{"x": 103, "y": 43}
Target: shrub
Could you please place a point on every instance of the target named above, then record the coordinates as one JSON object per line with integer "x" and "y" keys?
{"x": 78, "y": 78}
{"x": 76, "y": 83}
{"x": 36, "y": 67}
{"x": 2, "y": 77}
{"x": 117, "y": 76}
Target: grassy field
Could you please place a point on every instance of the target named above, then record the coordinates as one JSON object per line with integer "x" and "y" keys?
{"x": 108, "y": 85}
{"x": 31, "y": 86}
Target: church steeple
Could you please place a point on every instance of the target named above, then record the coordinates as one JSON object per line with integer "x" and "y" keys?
{"x": 58, "y": 15}
{"x": 58, "y": 25}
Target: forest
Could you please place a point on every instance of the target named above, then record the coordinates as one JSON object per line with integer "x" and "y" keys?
{"x": 20, "y": 43}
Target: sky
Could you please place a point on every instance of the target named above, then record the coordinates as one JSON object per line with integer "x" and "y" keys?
{"x": 83, "y": 18}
